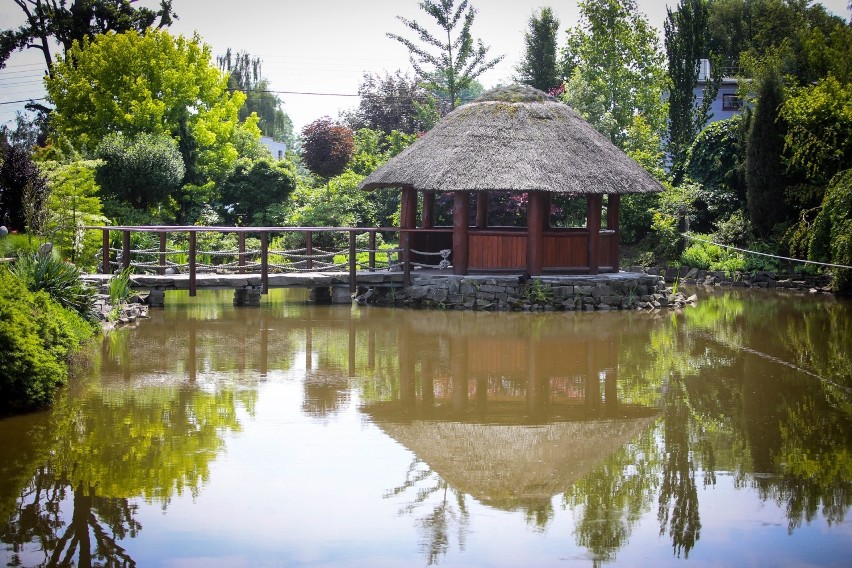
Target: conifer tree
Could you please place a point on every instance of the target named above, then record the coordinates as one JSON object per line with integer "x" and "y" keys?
{"x": 539, "y": 65}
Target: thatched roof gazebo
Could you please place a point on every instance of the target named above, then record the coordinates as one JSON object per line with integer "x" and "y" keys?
{"x": 515, "y": 139}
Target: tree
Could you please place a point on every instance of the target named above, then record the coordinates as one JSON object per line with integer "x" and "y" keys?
{"x": 327, "y": 147}
{"x": 539, "y": 67}
{"x": 457, "y": 61}
{"x": 390, "y": 102}
{"x": 143, "y": 170}
{"x": 154, "y": 84}
{"x": 615, "y": 68}
{"x": 686, "y": 41}
{"x": 831, "y": 240}
{"x": 765, "y": 179}
{"x": 245, "y": 75}
{"x": 251, "y": 187}
{"x": 23, "y": 189}
{"x": 49, "y": 21}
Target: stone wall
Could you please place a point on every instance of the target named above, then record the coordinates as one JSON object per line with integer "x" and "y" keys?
{"x": 756, "y": 279}
{"x": 547, "y": 293}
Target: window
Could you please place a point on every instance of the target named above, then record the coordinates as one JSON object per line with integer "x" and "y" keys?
{"x": 731, "y": 102}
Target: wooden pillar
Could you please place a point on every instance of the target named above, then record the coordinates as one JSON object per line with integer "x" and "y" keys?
{"x": 353, "y": 261}
{"x": 408, "y": 214}
{"x": 593, "y": 225}
{"x": 481, "y": 209}
{"x": 105, "y": 268}
{"x": 161, "y": 269}
{"x": 461, "y": 221}
{"x": 264, "y": 262}
{"x": 241, "y": 244}
{"x": 125, "y": 248}
{"x": 427, "y": 220}
{"x": 535, "y": 232}
{"x": 612, "y": 213}
{"x": 192, "y": 251}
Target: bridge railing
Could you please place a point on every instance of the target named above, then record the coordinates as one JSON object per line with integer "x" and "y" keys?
{"x": 266, "y": 250}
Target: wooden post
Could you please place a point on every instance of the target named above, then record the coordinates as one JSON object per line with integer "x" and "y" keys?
{"x": 612, "y": 213}
{"x": 353, "y": 260}
{"x": 372, "y": 253}
{"x": 405, "y": 237}
{"x": 408, "y": 218}
{"x": 427, "y": 220}
{"x": 264, "y": 262}
{"x": 461, "y": 222}
{"x": 125, "y": 248}
{"x": 241, "y": 261}
{"x": 593, "y": 225}
{"x": 481, "y": 209}
{"x": 161, "y": 270}
{"x": 105, "y": 252}
{"x": 192, "y": 242}
{"x": 309, "y": 249}
{"x": 535, "y": 232}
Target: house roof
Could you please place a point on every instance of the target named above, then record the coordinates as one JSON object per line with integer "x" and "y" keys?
{"x": 514, "y": 139}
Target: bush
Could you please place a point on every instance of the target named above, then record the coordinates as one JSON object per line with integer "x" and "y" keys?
{"x": 709, "y": 256}
{"x": 36, "y": 336}
{"x": 61, "y": 280}
{"x": 831, "y": 239}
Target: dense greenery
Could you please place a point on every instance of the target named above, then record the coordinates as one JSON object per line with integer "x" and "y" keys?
{"x": 539, "y": 66}
{"x": 36, "y": 337}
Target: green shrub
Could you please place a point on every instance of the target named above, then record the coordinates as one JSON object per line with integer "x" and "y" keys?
{"x": 61, "y": 280}
{"x": 709, "y": 256}
{"x": 36, "y": 336}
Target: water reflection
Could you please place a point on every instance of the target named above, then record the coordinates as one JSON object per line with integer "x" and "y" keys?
{"x": 614, "y": 420}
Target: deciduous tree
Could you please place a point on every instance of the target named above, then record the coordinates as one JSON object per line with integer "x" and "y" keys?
{"x": 390, "y": 102}
{"x": 327, "y": 147}
{"x": 450, "y": 63}
{"x": 251, "y": 187}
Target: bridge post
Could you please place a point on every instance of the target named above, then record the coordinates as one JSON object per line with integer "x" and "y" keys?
{"x": 264, "y": 262}
{"x": 241, "y": 261}
{"x": 161, "y": 270}
{"x": 405, "y": 237}
{"x": 353, "y": 260}
{"x": 372, "y": 245}
{"x": 105, "y": 252}
{"x": 192, "y": 250}
{"x": 309, "y": 249}
{"x": 125, "y": 248}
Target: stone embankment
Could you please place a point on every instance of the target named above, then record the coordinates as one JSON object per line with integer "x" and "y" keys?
{"x": 603, "y": 292}
{"x": 128, "y": 313}
{"x": 757, "y": 279}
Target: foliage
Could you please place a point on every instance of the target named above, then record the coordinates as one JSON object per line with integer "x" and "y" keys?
{"x": 133, "y": 84}
{"x": 686, "y": 41}
{"x": 391, "y": 102}
{"x": 819, "y": 128}
{"x": 831, "y": 239}
{"x": 23, "y": 188}
{"x": 615, "y": 66}
{"x": 251, "y": 187}
{"x": 714, "y": 162}
{"x": 143, "y": 170}
{"x": 50, "y": 21}
{"x": 539, "y": 68}
{"x": 59, "y": 279}
{"x": 735, "y": 230}
{"x": 327, "y": 147}
{"x": 36, "y": 335}
{"x": 675, "y": 208}
{"x": 457, "y": 62}
{"x": 73, "y": 204}
{"x": 244, "y": 74}
{"x": 765, "y": 179}
{"x": 708, "y": 256}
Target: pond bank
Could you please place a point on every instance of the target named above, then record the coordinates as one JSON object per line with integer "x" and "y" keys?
{"x": 603, "y": 292}
{"x": 756, "y": 279}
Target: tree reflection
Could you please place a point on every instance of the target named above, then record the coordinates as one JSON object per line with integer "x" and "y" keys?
{"x": 445, "y": 510}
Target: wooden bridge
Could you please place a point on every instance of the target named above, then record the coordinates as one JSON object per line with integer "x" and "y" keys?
{"x": 314, "y": 259}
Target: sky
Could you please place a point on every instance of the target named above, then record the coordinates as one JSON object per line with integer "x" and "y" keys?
{"x": 325, "y": 46}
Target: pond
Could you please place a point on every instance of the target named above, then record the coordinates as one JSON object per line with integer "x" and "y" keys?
{"x": 301, "y": 435}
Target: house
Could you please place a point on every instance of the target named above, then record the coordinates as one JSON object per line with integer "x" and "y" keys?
{"x": 727, "y": 102}
{"x": 276, "y": 148}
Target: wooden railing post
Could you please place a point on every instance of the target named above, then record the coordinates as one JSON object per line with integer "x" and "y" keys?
{"x": 405, "y": 236}
{"x": 593, "y": 224}
{"x": 264, "y": 262}
{"x": 612, "y": 213}
{"x": 192, "y": 250}
{"x": 105, "y": 269}
{"x": 161, "y": 270}
{"x": 125, "y": 248}
{"x": 353, "y": 260}
{"x": 241, "y": 261}
{"x": 309, "y": 249}
{"x": 372, "y": 253}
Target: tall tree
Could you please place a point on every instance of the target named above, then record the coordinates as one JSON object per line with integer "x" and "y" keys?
{"x": 765, "y": 179}
{"x": 615, "y": 65}
{"x": 390, "y": 102}
{"x": 50, "y": 21}
{"x": 457, "y": 61}
{"x": 245, "y": 75}
{"x": 686, "y": 39}
{"x": 539, "y": 67}
{"x": 22, "y": 187}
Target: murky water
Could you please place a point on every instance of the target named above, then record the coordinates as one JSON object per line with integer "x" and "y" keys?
{"x": 295, "y": 435}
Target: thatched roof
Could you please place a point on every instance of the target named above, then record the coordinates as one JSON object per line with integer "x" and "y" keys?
{"x": 514, "y": 139}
